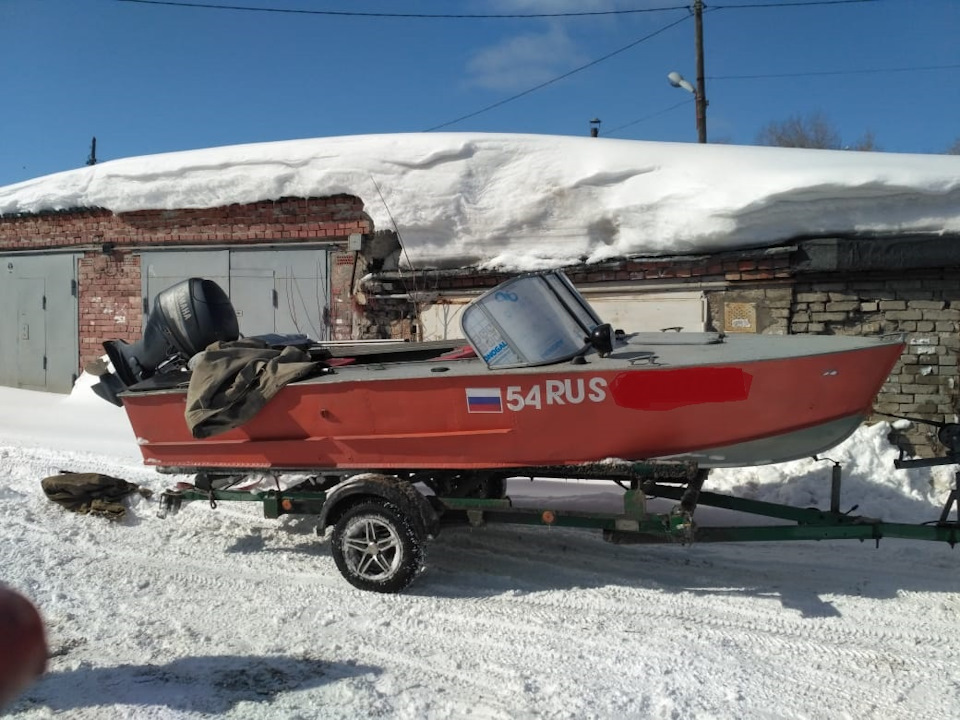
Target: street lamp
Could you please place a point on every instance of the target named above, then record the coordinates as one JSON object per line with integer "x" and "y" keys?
{"x": 676, "y": 79}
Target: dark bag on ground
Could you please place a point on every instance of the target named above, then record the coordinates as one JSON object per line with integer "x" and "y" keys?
{"x": 90, "y": 493}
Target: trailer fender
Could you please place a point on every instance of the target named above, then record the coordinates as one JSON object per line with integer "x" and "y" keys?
{"x": 388, "y": 487}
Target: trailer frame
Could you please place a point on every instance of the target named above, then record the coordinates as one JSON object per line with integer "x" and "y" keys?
{"x": 391, "y": 520}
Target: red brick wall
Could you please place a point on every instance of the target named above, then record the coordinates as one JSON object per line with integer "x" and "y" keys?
{"x": 56, "y": 230}
{"x": 288, "y": 219}
{"x": 110, "y": 305}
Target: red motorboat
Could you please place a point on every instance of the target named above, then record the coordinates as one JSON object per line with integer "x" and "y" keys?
{"x": 544, "y": 382}
{"x": 399, "y": 440}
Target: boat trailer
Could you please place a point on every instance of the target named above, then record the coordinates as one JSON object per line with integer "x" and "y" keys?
{"x": 381, "y": 521}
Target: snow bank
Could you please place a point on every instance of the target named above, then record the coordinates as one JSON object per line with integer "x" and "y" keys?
{"x": 870, "y": 480}
{"x": 522, "y": 202}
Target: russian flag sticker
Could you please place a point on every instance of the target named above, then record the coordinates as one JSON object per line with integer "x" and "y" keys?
{"x": 484, "y": 400}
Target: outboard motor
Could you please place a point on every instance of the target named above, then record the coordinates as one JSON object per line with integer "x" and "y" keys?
{"x": 185, "y": 319}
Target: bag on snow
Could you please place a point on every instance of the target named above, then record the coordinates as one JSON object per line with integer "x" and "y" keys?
{"x": 90, "y": 493}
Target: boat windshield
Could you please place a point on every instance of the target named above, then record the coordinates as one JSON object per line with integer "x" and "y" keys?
{"x": 535, "y": 319}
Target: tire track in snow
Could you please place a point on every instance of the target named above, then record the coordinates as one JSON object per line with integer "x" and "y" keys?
{"x": 831, "y": 680}
{"x": 861, "y": 649}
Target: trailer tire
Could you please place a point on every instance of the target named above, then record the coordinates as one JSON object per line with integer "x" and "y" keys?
{"x": 376, "y": 547}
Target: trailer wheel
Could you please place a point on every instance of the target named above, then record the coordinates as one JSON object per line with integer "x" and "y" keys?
{"x": 376, "y": 547}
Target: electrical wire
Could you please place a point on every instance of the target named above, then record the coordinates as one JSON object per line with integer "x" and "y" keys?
{"x": 754, "y": 5}
{"x": 559, "y": 77}
{"x": 408, "y": 16}
{"x": 295, "y": 284}
{"x": 322, "y": 274}
{"x": 649, "y": 117}
{"x": 816, "y": 73}
{"x": 801, "y": 3}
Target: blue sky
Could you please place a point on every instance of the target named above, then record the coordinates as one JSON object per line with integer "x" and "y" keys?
{"x": 149, "y": 78}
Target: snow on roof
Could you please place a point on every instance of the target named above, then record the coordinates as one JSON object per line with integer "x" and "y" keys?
{"x": 522, "y": 202}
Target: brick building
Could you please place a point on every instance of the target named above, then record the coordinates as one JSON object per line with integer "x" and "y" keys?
{"x": 79, "y": 277}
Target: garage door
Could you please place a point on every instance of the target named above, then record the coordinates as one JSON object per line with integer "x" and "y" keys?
{"x": 283, "y": 291}
{"x": 273, "y": 291}
{"x": 39, "y": 346}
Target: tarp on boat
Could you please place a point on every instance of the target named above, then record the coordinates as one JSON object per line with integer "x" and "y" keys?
{"x": 233, "y": 380}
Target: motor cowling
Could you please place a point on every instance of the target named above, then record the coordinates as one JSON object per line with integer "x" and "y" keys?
{"x": 184, "y": 320}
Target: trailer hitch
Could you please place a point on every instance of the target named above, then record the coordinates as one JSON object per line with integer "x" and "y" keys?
{"x": 170, "y": 502}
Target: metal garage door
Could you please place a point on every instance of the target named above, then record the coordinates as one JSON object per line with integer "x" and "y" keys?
{"x": 281, "y": 291}
{"x": 160, "y": 270}
{"x": 39, "y": 349}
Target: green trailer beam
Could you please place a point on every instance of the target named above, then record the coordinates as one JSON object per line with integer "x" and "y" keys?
{"x": 275, "y": 502}
{"x": 634, "y": 524}
{"x": 871, "y": 530}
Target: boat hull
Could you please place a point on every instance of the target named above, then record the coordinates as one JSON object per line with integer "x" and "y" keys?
{"x": 712, "y": 404}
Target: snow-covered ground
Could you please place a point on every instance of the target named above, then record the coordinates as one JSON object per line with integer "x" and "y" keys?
{"x": 222, "y": 612}
{"x": 524, "y": 202}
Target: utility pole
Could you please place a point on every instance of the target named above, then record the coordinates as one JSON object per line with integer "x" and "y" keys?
{"x": 701, "y": 94}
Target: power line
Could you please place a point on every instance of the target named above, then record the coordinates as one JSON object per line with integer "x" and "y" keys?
{"x": 408, "y": 16}
{"x": 559, "y": 77}
{"x": 816, "y": 73}
{"x": 801, "y": 3}
{"x": 650, "y": 116}
{"x": 476, "y": 16}
{"x": 486, "y": 16}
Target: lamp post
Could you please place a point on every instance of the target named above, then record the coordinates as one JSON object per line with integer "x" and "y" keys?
{"x": 676, "y": 79}
{"x": 699, "y": 92}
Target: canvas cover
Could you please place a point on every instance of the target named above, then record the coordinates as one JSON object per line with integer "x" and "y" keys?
{"x": 90, "y": 493}
{"x": 232, "y": 381}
